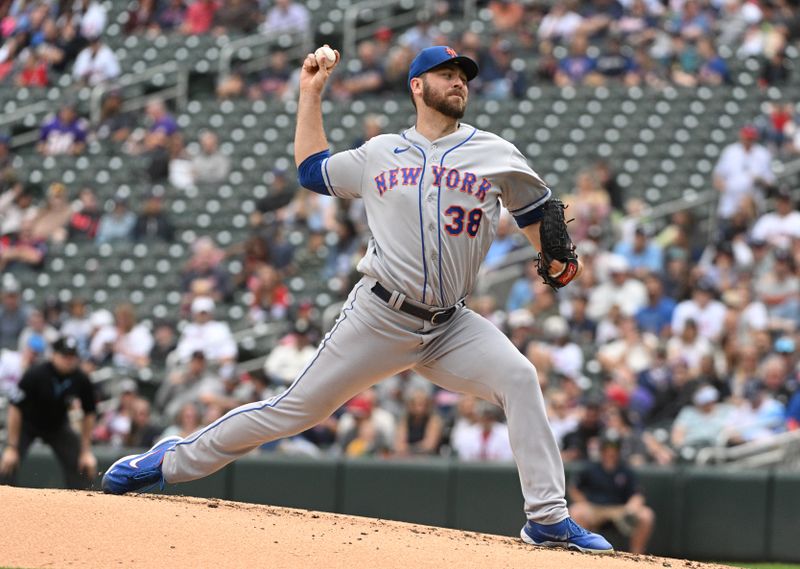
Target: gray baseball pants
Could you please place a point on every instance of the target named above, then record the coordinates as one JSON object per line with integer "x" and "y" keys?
{"x": 369, "y": 342}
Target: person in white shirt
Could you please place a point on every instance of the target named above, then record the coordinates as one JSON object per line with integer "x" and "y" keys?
{"x": 742, "y": 170}
{"x": 212, "y": 337}
{"x": 93, "y": 19}
{"x": 560, "y": 23}
{"x": 96, "y": 63}
{"x": 778, "y": 228}
{"x": 486, "y": 440}
{"x": 628, "y": 293}
{"x": 128, "y": 343}
{"x": 287, "y": 17}
{"x": 291, "y": 355}
{"x": 704, "y": 309}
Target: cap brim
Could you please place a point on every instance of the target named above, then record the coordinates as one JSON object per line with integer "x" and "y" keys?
{"x": 467, "y": 65}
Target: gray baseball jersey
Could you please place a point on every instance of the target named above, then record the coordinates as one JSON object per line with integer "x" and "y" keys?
{"x": 433, "y": 209}
{"x": 433, "y": 206}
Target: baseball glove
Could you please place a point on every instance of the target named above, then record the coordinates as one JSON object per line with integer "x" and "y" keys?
{"x": 556, "y": 246}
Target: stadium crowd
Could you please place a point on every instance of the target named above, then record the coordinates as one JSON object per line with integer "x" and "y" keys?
{"x": 672, "y": 339}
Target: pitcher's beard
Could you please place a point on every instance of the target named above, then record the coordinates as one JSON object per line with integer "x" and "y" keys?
{"x": 443, "y": 103}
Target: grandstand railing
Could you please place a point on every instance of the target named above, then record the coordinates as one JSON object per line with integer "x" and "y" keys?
{"x": 242, "y": 47}
{"x": 782, "y": 450}
{"x": 154, "y": 75}
{"x": 353, "y": 31}
{"x": 26, "y": 114}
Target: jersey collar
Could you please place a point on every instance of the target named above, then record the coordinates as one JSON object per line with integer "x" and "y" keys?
{"x": 459, "y": 135}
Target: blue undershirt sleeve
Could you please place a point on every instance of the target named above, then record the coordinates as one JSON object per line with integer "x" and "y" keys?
{"x": 309, "y": 173}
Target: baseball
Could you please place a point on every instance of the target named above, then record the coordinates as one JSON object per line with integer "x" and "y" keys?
{"x": 325, "y": 53}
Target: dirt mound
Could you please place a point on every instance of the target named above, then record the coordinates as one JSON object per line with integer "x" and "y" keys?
{"x": 59, "y": 528}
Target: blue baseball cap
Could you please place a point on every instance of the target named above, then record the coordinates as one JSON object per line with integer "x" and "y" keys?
{"x": 435, "y": 56}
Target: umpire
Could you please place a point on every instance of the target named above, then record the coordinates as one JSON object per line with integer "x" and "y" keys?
{"x": 39, "y": 409}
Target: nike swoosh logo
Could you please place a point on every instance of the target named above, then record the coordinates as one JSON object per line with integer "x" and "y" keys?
{"x": 135, "y": 462}
{"x": 399, "y": 150}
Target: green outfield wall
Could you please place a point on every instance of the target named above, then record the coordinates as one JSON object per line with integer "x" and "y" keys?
{"x": 701, "y": 513}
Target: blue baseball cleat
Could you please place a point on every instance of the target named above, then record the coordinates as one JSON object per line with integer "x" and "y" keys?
{"x": 566, "y": 534}
{"x": 138, "y": 471}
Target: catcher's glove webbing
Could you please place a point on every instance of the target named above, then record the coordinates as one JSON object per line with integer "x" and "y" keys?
{"x": 556, "y": 246}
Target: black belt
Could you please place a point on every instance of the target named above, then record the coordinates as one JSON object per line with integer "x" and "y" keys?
{"x": 432, "y": 315}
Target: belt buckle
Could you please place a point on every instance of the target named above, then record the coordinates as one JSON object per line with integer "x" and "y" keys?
{"x": 445, "y": 312}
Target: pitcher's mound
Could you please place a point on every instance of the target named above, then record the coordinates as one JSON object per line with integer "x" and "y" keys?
{"x": 59, "y": 528}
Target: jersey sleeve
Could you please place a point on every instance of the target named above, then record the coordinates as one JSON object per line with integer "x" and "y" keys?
{"x": 522, "y": 190}
{"x": 343, "y": 172}
{"x": 86, "y": 395}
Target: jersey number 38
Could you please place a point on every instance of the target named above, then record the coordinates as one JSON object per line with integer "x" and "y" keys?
{"x": 458, "y": 222}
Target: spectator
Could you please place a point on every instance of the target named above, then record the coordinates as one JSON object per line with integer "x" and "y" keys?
{"x": 367, "y": 79}
{"x": 144, "y": 432}
{"x": 22, "y": 250}
{"x": 365, "y": 429}
{"x": 778, "y": 228}
{"x": 185, "y": 385}
{"x": 8, "y": 175}
{"x": 274, "y": 81}
{"x": 52, "y": 218}
{"x": 77, "y": 324}
{"x": 629, "y": 355}
{"x": 619, "y": 289}
{"x": 760, "y": 416}
{"x": 419, "y": 431}
{"x": 563, "y": 418}
{"x": 37, "y": 327}
{"x": 643, "y": 254}
{"x": 558, "y": 354}
{"x": 39, "y": 409}
{"x": 205, "y": 266}
{"x": 577, "y": 68}
{"x": 152, "y": 223}
{"x": 507, "y": 15}
{"x": 96, "y": 64}
{"x": 523, "y": 289}
{"x": 115, "y": 124}
{"x": 13, "y": 314}
{"x": 164, "y": 342}
{"x": 16, "y": 207}
{"x": 287, "y": 16}
{"x": 125, "y": 344}
{"x": 702, "y": 423}
{"x": 486, "y": 439}
{"x": 582, "y": 443}
{"x": 689, "y": 347}
{"x": 238, "y": 16}
{"x": 504, "y": 241}
{"x": 280, "y": 193}
{"x": 583, "y": 330}
{"x": 742, "y": 171}
{"x": 500, "y": 80}
{"x": 63, "y": 134}
{"x": 779, "y": 290}
{"x": 33, "y": 72}
{"x": 209, "y": 165}
{"x": 704, "y": 309}
{"x": 656, "y": 316}
{"x": 199, "y": 17}
{"x": 607, "y": 491}
{"x": 589, "y": 205}
{"x": 212, "y": 337}
{"x": 691, "y": 22}
{"x": 171, "y": 15}
{"x": 420, "y": 36}
{"x": 292, "y": 354}
{"x": 186, "y": 423}
{"x": 85, "y": 218}
{"x": 116, "y": 225}
{"x": 560, "y": 23}
{"x": 614, "y": 64}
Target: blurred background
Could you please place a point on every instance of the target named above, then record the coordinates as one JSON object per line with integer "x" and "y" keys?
{"x": 149, "y": 208}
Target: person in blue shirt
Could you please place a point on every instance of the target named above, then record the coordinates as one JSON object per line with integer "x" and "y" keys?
{"x": 577, "y": 67}
{"x": 656, "y": 316}
{"x": 643, "y": 254}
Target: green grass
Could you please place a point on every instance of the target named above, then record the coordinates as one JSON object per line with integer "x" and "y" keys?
{"x": 763, "y": 565}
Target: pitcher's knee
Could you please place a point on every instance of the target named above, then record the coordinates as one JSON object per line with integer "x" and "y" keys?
{"x": 517, "y": 378}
